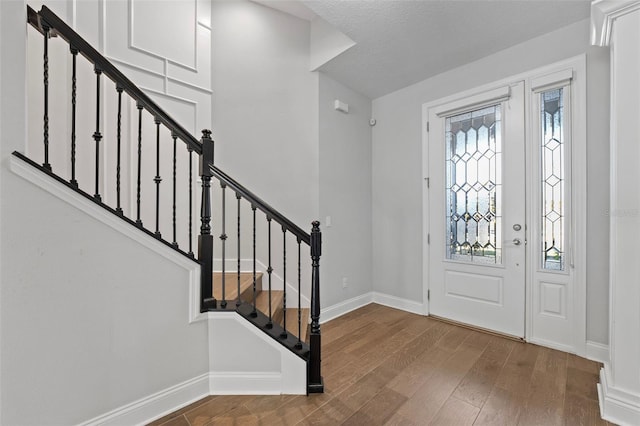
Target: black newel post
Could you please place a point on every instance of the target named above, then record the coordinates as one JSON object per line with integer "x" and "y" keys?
{"x": 205, "y": 239}
{"x": 314, "y": 380}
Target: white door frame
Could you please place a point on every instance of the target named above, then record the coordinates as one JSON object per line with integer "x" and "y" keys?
{"x": 578, "y": 226}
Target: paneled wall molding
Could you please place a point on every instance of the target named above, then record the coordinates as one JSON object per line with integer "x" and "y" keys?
{"x": 202, "y": 89}
{"x": 603, "y": 15}
{"x": 149, "y": 50}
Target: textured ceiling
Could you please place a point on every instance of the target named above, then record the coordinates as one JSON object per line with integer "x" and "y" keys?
{"x": 401, "y": 42}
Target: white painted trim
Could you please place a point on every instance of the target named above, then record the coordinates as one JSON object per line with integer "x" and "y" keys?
{"x": 549, "y": 81}
{"x": 164, "y": 402}
{"x": 604, "y": 13}
{"x": 617, "y": 405}
{"x": 597, "y": 351}
{"x": 245, "y": 383}
{"x": 399, "y": 303}
{"x": 475, "y": 101}
{"x": 346, "y": 306}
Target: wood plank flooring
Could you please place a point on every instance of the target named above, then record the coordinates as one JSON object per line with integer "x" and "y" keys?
{"x": 382, "y": 366}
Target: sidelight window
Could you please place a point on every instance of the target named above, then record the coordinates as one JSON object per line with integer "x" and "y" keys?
{"x": 552, "y": 172}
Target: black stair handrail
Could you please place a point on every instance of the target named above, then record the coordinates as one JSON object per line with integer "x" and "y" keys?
{"x": 261, "y": 205}
{"x": 47, "y": 19}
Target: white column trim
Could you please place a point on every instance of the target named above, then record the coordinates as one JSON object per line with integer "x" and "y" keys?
{"x": 617, "y": 405}
{"x": 619, "y": 388}
{"x": 604, "y": 13}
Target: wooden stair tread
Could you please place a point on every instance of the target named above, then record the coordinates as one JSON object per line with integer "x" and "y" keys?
{"x": 292, "y": 322}
{"x": 231, "y": 284}
{"x": 262, "y": 303}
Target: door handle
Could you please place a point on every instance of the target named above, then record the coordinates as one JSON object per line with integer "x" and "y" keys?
{"x": 516, "y": 241}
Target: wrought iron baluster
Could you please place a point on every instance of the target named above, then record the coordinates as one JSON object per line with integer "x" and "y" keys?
{"x": 191, "y": 255}
{"x": 269, "y": 271}
{"x": 46, "y": 164}
{"x": 138, "y": 220}
{"x": 284, "y": 283}
{"x": 238, "y": 302}
{"x": 299, "y": 344}
{"x": 173, "y": 214}
{"x": 223, "y": 239}
{"x": 254, "y": 313}
{"x": 74, "y": 56}
{"x": 119, "y": 142}
{"x": 157, "y": 179}
{"x": 97, "y": 136}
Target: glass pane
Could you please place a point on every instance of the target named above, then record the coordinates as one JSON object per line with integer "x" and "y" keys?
{"x": 552, "y": 172}
{"x": 473, "y": 184}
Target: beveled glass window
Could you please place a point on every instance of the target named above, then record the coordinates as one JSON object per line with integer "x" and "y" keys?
{"x": 553, "y": 179}
{"x": 474, "y": 185}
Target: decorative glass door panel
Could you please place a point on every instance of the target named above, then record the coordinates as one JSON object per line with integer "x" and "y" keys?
{"x": 477, "y": 230}
{"x": 473, "y": 165}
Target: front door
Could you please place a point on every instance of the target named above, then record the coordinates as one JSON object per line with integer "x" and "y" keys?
{"x": 476, "y": 215}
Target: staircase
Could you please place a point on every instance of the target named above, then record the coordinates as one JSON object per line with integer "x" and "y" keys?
{"x": 248, "y": 293}
{"x": 280, "y": 316}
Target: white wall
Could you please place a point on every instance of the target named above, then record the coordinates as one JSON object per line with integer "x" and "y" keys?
{"x": 397, "y": 168}
{"x": 265, "y": 106}
{"x": 91, "y": 320}
{"x": 345, "y": 192}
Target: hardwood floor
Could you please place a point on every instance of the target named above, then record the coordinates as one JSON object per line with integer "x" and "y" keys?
{"x": 383, "y": 366}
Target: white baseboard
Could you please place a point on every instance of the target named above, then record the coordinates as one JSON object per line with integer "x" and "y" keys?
{"x": 617, "y": 405}
{"x": 245, "y": 383}
{"x": 164, "y": 402}
{"x": 339, "y": 309}
{"x": 597, "y": 351}
{"x": 346, "y": 306}
{"x": 399, "y": 303}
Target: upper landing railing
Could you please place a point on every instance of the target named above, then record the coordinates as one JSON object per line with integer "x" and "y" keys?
{"x": 50, "y": 25}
